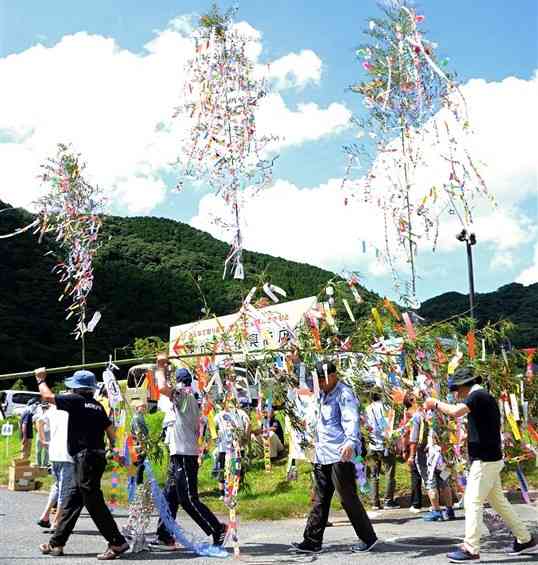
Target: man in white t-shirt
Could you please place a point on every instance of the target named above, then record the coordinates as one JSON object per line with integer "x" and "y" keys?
{"x": 63, "y": 468}
{"x": 183, "y": 430}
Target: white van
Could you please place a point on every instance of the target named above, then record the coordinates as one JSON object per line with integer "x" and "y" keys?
{"x": 13, "y": 402}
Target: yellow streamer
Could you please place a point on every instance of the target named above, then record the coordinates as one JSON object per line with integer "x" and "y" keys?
{"x": 211, "y": 424}
{"x": 377, "y": 320}
{"x": 514, "y": 426}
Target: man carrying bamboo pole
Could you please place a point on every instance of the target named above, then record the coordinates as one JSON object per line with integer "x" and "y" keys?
{"x": 182, "y": 484}
{"x": 485, "y": 454}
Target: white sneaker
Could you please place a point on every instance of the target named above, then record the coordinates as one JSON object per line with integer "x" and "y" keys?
{"x": 414, "y": 510}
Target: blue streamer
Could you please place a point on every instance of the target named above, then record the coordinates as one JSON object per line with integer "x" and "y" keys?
{"x": 201, "y": 548}
{"x": 131, "y": 489}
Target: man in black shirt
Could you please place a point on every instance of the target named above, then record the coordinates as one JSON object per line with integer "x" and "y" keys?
{"x": 485, "y": 454}
{"x": 86, "y": 428}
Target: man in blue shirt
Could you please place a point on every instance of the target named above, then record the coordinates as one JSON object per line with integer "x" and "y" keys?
{"x": 336, "y": 444}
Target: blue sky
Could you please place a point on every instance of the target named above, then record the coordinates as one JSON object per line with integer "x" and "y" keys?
{"x": 490, "y": 41}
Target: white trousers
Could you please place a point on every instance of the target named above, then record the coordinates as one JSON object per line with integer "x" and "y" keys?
{"x": 484, "y": 484}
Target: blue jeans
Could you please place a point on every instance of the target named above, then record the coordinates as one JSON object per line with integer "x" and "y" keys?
{"x": 64, "y": 473}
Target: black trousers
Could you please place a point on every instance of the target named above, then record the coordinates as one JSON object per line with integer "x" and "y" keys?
{"x": 182, "y": 490}
{"x": 327, "y": 479}
{"x": 86, "y": 492}
{"x": 140, "y": 470}
{"x": 416, "y": 487}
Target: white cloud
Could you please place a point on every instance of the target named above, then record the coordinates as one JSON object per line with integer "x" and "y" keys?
{"x": 307, "y": 123}
{"x": 502, "y": 260}
{"x": 530, "y": 274}
{"x": 141, "y": 194}
{"x": 313, "y": 224}
{"x": 310, "y": 225}
{"x": 295, "y": 70}
{"x": 115, "y": 106}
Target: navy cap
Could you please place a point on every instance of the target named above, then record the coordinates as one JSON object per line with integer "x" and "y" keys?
{"x": 81, "y": 379}
{"x": 183, "y": 376}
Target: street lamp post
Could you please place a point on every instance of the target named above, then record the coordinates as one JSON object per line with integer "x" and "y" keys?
{"x": 470, "y": 240}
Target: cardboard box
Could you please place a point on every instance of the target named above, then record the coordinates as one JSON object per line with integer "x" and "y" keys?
{"x": 24, "y": 482}
{"x": 39, "y": 471}
{"x": 22, "y": 485}
{"x": 17, "y": 473}
{"x": 20, "y": 462}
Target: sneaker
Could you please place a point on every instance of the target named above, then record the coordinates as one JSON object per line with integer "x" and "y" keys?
{"x": 220, "y": 537}
{"x": 44, "y": 524}
{"x": 450, "y": 514}
{"x": 113, "y": 552}
{"x": 163, "y": 545}
{"x": 306, "y": 547}
{"x": 376, "y": 507}
{"x": 415, "y": 510}
{"x": 364, "y": 547}
{"x": 462, "y": 555}
{"x": 459, "y": 505}
{"x": 529, "y": 547}
{"x": 390, "y": 505}
{"x": 47, "y": 549}
{"x": 434, "y": 516}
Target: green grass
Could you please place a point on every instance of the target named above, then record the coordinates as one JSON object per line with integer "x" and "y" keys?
{"x": 265, "y": 496}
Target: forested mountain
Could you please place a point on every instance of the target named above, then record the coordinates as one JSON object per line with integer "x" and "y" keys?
{"x": 513, "y": 302}
{"x": 144, "y": 283}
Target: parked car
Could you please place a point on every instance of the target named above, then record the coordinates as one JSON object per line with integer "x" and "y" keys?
{"x": 13, "y": 402}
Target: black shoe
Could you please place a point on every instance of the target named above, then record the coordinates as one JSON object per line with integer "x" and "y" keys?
{"x": 163, "y": 545}
{"x": 363, "y": 547}
{"x": 44, "y": 524}
{"x": 306, "y": 547}
{"x": 529, "y": 547}
{"x": 390, "y": 505}
{"x": 220, "y": 537}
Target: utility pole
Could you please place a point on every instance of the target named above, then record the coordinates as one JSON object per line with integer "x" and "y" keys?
{"x": 470, "y": 240}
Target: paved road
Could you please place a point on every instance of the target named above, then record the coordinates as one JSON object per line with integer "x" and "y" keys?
{"x": 406, "y": 539}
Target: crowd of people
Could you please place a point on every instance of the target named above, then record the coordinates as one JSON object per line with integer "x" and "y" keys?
{"x": 78, "y": 435}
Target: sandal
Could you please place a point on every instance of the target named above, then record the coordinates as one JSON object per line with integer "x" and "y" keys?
{"x": 112, "y": 553}
{"x": 48, "y": 549}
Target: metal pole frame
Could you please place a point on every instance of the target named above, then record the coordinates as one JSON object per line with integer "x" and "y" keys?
{"x": 152, "y": 358}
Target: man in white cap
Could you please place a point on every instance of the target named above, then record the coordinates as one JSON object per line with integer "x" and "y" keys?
{"x": 86, "y": 429}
